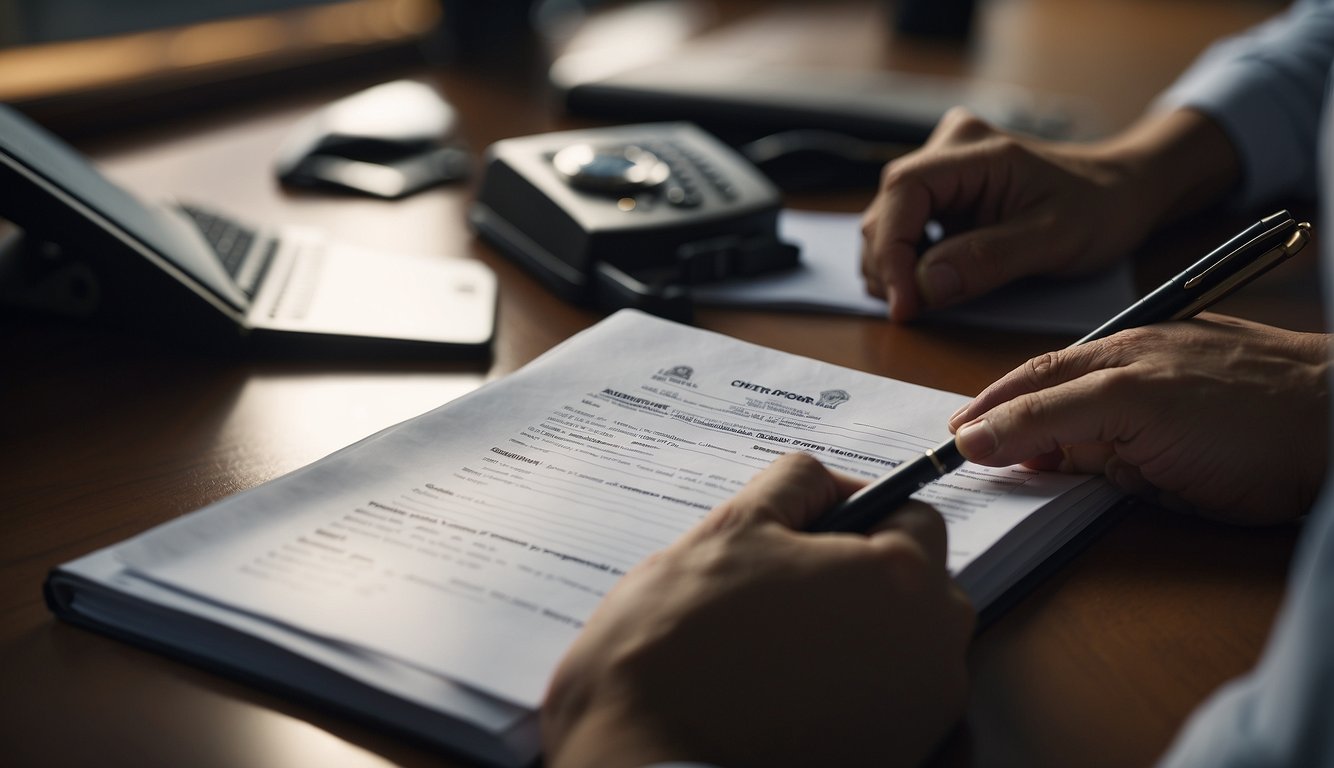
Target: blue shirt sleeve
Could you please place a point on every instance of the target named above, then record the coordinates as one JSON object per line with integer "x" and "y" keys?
{"x": 1282, "y": 713}
{"x": 1265, "y": 87}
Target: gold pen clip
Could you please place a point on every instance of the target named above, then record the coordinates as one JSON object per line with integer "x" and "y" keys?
{"x": 1295, "y": 242}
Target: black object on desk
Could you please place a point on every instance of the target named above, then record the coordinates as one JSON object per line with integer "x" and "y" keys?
{"x": 388, "y": 141}
{"x": 630, "y": 216}
{"x": 743, "y": 100}
{"x": 934, "y": 19}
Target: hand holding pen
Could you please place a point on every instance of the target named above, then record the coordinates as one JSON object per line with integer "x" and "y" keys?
{"x": 1223, "y": 271}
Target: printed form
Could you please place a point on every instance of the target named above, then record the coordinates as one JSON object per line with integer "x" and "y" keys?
{"x": 475, "y": 540}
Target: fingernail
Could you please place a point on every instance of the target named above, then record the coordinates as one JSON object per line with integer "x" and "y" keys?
{"x": 955, "y": 416}
{"x": 976, "y": 440}
{"x": 1067, "y": 463}
{"x": 941, "y": 283}
{"x": 1126, "y": 477}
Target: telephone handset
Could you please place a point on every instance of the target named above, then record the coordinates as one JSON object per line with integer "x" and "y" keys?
{"x": 630, "y": 216}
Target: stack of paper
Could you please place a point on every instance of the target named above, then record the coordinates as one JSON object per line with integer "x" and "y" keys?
{"x": 431, "y": 576}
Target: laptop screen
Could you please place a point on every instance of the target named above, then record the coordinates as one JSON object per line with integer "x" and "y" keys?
{"x": 160, "y": 230}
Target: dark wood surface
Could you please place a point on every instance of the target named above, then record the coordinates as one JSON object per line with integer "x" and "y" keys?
{"x": 105, "y": 434}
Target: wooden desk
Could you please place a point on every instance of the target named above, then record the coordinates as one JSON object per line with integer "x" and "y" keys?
{"x": 105, "y": 435}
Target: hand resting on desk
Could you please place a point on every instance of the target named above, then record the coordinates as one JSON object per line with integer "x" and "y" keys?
{"x": 1219, "y": 416}
{"x": 1015, "y": 206}
{"x": 750, "y": 643}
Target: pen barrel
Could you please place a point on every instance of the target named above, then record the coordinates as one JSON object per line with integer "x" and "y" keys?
{"x": 1223, "y": 270}
{"x": 1167, "y": 302}
{"x": 871, "y": 504}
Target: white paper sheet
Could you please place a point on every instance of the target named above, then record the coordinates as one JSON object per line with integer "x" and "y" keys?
{"x": 475, "y": 540}
{"x": 829, "y": 279}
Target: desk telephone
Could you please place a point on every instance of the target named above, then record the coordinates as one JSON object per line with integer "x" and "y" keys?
{"x": 630, "y": 216}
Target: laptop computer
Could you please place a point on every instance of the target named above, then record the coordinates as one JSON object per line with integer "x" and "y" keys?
{"x": 188, "y": 270}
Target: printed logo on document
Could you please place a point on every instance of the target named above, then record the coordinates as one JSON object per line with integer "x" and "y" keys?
{"x": 832, "y": 398}
{"x": 678, "y": 375}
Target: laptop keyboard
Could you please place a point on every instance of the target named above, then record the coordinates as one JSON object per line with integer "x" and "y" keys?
{"x": 231, "y": 242}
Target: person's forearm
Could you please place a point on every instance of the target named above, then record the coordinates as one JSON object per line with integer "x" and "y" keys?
{"x": 1175, "y": 163}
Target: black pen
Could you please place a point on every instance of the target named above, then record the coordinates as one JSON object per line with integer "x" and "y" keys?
{"x": 1227, "y": 268}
